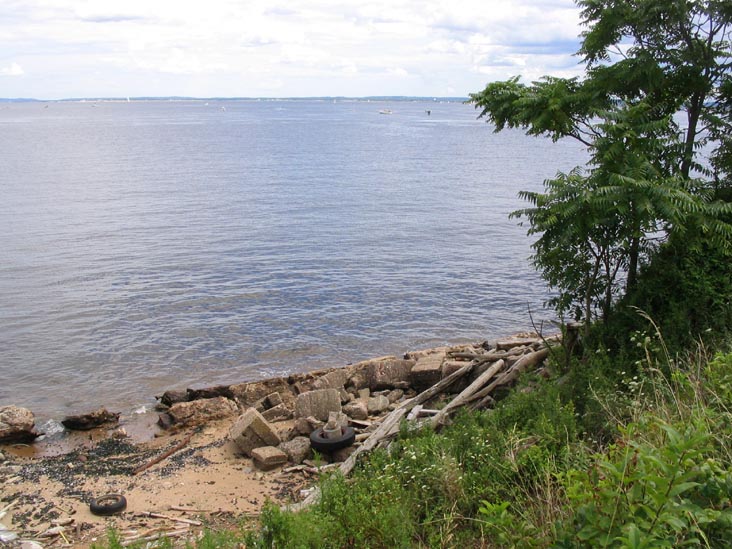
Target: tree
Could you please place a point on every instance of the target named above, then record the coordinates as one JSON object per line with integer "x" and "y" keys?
{"x": 646, "y": 61}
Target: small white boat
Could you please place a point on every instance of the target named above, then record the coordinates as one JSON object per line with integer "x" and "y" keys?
{"x": 385, "y": 111}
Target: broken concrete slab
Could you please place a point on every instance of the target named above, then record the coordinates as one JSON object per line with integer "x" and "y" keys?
{"x": 298, "y": 449}
{"x": 356, "y": 410}
{"x": 389, "y": 374}
{"x": 318, "y": 403}
{"x": 252, "y": 431}
{"x": 247, "y": 394}
{"x": 201, "y": 411}
{"x": 427, "y": 371}
{"x": 377, "y": 404}
{"x": 268, "y": 457}
{"x": 277, "y": 413}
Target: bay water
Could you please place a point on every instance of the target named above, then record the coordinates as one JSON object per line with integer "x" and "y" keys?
{"x": 157, "y": 245}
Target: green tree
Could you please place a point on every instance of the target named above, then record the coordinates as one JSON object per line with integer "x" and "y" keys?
{"x": 646, "y": 61}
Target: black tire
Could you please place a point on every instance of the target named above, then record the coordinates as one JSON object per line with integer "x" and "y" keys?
{"x": 108, "y": 505}
{"x": 327, "y": 445}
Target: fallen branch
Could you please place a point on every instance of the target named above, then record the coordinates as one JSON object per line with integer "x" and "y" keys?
{"x": 521, "y": 365}
{"x": 169, "y": 517}
{"x": 469, "y": 391}
{"x": 163, "y": 456}
{"x": 188, "y": 509}
{"x": 171, "y": 534}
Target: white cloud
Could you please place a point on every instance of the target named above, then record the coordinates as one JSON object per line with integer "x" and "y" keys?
{"x": 12, "y": 70}
{"x": 258, "y": 47}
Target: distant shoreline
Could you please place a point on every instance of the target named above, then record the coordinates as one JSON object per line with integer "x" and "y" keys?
{"x": 131, "y": 99}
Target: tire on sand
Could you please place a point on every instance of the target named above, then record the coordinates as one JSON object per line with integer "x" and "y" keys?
{"x": 108, "y": 505}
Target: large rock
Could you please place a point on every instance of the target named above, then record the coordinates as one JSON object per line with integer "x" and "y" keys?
{"x": 356, "y": 410}
{"x": 247, "y": 394}
{"x": 201, "y": 411}
{"x": 168, "y": 398}
{"x": 377, "y": 404}
{"x": 277, "y": 413}
{"x": 389, "y": 374}
{"x": 298, "y": 449}
{"x": 334, "y": 379}
{"x": 268, "y": 457}
{"x": 252, "y": 431}
{"x": 318, "y": 403}
{"x": 85, "y": 422}
{"x": 427, "y": 371}
{"x": 17, "y": 424}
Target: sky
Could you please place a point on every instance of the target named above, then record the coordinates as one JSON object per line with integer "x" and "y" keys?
{"x": 54, "y": 49}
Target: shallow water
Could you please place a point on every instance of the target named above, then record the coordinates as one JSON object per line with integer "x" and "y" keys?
{"x": 156, "y": 245}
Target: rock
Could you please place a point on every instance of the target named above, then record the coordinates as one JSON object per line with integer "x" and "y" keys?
{"x": 427, "y": 371}
{"x": 210, "y": 392}
{"x": 168, "y": 398}
{"x": 318, "y": 403}
{"x": 246, "y": 394}
{"x": 165, "y": 421}
{"x": 377, "y": 404}
{"x": 395, "y": 395}
{"x": 85, "y": 422}
{"x": 30, "y": 544}
{"x": 277, "y": 413}
{"x": 298, "y": 449}
{"x": 272, "y": 400}
{"x": 356, "y": 410}
{"x": 359, "y": 380}
{"x": 335, "y": 379}
{"x": 416, "y": 355}
{"x": 345, "y": 395}
{"x": 364, "y": 393}
{"x": 384, "y": 374}
{"x": 252, "y": 431}
{"x": 17, "y": 424}
{"x": 268, "y": 457}
{"x": 306, "y": 425}
{"x": 201, "y": 411}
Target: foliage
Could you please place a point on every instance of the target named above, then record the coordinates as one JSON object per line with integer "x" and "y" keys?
{"x": 646, "y": 60}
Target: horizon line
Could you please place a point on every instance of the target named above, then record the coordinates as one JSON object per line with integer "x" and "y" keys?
{"x": 241, "y": 98}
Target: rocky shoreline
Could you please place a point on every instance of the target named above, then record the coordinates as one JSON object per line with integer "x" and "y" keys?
{"x": 237, "y": 444}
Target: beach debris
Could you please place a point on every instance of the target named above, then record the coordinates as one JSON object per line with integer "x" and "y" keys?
{"x": 392, "y": 373}
{"x": 168, "y": 398}
{"x": 145, "y": 466}
{"x": 298, "y": 449}
{"x": 91, "y": 420}
{"x": 170, "y": 517}
{"x": 377, "y": 404}
{"x": 357, "y": 409}
{"x": 306, "y": 425}
{"x": 318, "y": 403}
{"x": 198, "y": 412}
{"x": 108, "y": 504}
{"x": 268, "y": 457}
{"x": 427, "y": 371}
{"x": 17, "y": 425}
{"x": 252, "y": 431}
{"x": 277, "y": 413}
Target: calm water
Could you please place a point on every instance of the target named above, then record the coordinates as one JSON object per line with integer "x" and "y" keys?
{"x": 148, "y": 246}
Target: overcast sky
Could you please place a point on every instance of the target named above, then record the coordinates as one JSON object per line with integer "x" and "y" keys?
{"x": 53, "y": 49}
